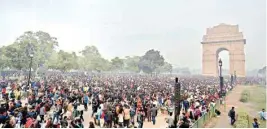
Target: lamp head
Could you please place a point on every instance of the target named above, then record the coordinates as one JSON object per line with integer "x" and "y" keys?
{"x": 31, "y": 55}
{"x": 176, "y": 80}
{"x": 220, "y": 62}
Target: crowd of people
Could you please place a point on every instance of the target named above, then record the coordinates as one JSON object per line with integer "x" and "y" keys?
{"x": 114, "y": 100}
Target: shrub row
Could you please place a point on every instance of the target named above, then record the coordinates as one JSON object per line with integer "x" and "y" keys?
{"x": 245, "y": 96}
{"x": 242, "y": 120}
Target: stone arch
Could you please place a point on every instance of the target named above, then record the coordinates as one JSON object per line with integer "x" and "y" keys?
{"x": 218, "y": 51}
{"x": 217, "y": 39}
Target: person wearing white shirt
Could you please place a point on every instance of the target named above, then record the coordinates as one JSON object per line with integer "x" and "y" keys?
{"x": 120, "y": 119}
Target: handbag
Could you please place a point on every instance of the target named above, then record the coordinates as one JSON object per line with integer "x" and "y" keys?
{"x": 38, "y": 118}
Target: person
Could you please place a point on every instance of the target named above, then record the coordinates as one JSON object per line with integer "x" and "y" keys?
{"x": 94, "y": 106}
{"x": 170, "y": 109}
{"x": 64, "y": 122}
{"x": 109, "y": 118}
{"x": 81, "y": 115}
{"x": 42, "y": 113}
{"x": 154, "y": 112}
{"x": 120, "y": 118}
{"x": 102, "y": 119}
{"x": 75, "y": 113}
{"x": 140, "y": 119}
{"x": 255, "y": 123}
{"x": 85, "y": 101}
{"x": 170, "y": 121}
{"x": 231, "y": 114}
{"x": 132, "y": 114}
{"x": 127, "y": 116}
{"x": 184, "y": 122}
{"x": 263, "y": 114}
{"x": 79, "y": 123}
{"x": 91, "y": 124}
{"x": 7, "y": 124}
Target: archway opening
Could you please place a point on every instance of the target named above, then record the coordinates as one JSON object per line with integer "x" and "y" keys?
{"x": 223, "y": 54}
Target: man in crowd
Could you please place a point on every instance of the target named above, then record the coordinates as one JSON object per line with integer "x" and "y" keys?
{"x": 232, "y": 115}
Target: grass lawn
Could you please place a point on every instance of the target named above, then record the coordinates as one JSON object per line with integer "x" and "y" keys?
{"x": 258, "y": 97}
{"x": 262, "y": 123}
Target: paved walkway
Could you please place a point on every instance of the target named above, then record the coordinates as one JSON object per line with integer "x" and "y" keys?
{"x": 232, "y": 100}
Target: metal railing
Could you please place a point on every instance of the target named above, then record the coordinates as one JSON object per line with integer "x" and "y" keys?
{"x": 205, "y": 119}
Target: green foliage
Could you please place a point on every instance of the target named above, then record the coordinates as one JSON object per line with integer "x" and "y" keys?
{"x": 117, "y": 63}
{"x": 259, "y": 97}
{"x": 131, "y": 63}
{"x": 167, "y": 67}
{"x": 66, "y": 61}
{"x": 242, "y": 120}
{"x": 92, "y": 60}
{"x": 3, "y": 58}
{"x": 41, "y": 44}
{"x": 151, "y": 61}
{"x": 245, "y": 96}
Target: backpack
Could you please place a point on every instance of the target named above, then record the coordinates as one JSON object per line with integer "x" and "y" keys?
{"x": 12, "y": 95}
{"x": 75, "y": 113}
{"x": 132, "y": 113}
{"x": 139, "y": 118}
{"x": 102, "y": 115}
{"x": 29, "y": 124}
{"x": 60, "y": 110}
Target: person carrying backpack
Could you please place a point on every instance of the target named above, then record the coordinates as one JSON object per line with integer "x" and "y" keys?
{"x": 231, "y": 114}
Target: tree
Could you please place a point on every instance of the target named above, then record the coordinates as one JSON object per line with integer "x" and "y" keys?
{"x": 90, "y": 51}
{"x": 42, "y": 45}
{"x": 74, "y": 59}
{"x": 167, "y": 67}
{"x": 131, "y": 63}
{"x": 4, "y": 61}
{"x": 65, "y": 61}
{"x": 52, "y": 62}
{"x": 16, "y": 56}
{"x": 151, "y": 61}
{"x": 91, "y": 57}
{"x": 117, "y": 63}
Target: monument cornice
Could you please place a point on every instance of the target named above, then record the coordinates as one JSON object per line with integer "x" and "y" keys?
{"x": 225, "y": 41}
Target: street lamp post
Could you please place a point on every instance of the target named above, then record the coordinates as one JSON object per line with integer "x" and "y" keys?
{"x": 235, "y": 77}
{"x": 177, "y": 101}
{"x": 221, "y": 79}
{"x": 29, "y": 78}
{"x": 232, "y": 80}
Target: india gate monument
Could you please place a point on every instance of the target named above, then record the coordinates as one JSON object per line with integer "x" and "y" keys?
{"x": 219, "y": 38}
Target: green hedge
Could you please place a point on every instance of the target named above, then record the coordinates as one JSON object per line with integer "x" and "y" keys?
{"x": 245, "y": 96}
{"x": 242, "y": 120}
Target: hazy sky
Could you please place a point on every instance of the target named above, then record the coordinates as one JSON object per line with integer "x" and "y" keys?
{"x": 131, "y": 27}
